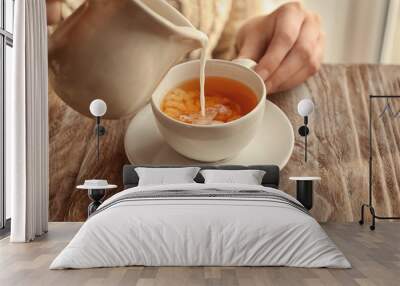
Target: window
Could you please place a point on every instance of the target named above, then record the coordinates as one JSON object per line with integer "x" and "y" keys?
{"x": 6, "y": 64}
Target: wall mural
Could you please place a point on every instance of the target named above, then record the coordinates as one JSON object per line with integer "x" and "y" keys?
{"x": 85, "y": 65}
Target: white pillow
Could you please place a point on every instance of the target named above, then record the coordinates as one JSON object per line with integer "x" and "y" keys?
{"x": 248, "y": 177}
{"x": 164, "y": 176}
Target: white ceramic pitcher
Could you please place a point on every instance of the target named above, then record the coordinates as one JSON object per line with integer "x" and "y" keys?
{"x": 117, "y": 51}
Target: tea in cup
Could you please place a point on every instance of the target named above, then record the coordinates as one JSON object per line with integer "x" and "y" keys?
{"x": 234, "y": 107}
{"x": 225, "y": 100}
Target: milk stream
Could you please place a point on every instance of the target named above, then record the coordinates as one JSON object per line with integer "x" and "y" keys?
{"x": 203, "y": 61}
{"x": 202, "y": 38}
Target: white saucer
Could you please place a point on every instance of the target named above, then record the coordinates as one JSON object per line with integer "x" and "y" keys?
{"x": 273, "y": 144}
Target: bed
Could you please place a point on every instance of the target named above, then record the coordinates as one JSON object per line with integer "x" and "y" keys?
{"x": 201, "y": 224}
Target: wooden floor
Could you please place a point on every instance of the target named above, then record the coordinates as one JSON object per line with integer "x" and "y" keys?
{"x": 375, "y": 257}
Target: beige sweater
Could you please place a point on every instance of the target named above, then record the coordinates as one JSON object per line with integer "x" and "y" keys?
{"x": 219, "y": 19}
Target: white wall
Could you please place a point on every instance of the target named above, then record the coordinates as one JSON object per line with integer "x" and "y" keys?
{"x": 354, "y": 28}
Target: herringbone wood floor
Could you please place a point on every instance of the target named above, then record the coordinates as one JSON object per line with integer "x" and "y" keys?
{"x": 375, "y": 257}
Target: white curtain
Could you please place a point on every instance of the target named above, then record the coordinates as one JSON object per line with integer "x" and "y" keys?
{"x": 27, "y": 124}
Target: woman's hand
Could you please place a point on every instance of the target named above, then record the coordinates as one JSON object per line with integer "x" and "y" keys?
{"x": 288, "y": 45}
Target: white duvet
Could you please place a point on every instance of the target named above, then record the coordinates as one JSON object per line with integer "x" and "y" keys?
{"x": 200, "y": 231}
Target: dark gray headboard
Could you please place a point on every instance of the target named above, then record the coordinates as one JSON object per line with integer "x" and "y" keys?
{"x": 271, "y": 177}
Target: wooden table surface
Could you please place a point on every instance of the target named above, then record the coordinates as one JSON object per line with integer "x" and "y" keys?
{"x": 338, "y": 146}
{"x": 374, "y": 256}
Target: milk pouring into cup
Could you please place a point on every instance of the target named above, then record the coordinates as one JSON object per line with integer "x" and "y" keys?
{"x": 125, "y": 52}
{"x": 118, "y": 51}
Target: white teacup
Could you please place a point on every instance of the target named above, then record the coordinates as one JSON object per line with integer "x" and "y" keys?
{"x": 210, "y": 143}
